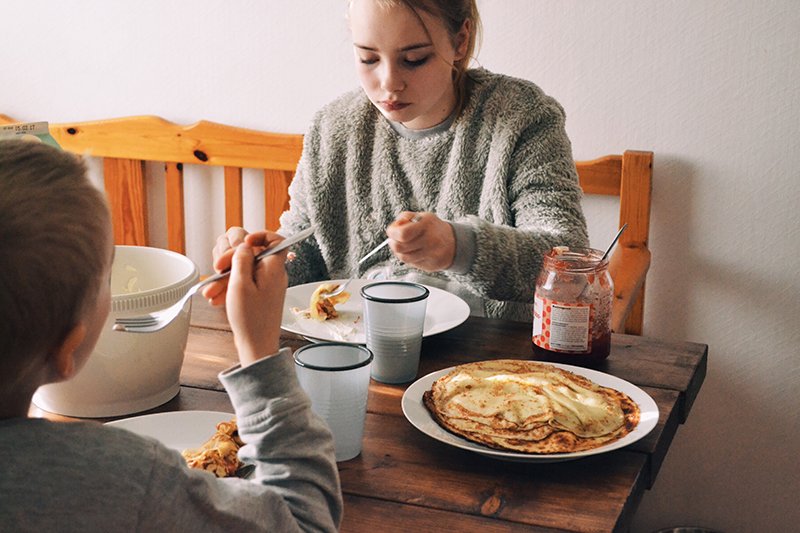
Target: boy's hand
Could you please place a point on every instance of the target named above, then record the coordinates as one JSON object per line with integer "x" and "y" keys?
{"x": 223, "y": 254}
{"x": 254, "y": 301}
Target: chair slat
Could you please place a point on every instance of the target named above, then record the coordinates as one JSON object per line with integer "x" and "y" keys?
{"x": 628, "y": 268}
{"x": 234, "y": 206}
{"x": 635, "y": 197}
{"x": 601, "y": 176}
{"x": 176, "y": 215}
{"x": 634, "y": 324}
{"x": 276, "y": 196}
{"x": 125, "y": 190}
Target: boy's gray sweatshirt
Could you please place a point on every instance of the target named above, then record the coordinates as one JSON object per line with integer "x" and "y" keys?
{"x": 84, "y": 476}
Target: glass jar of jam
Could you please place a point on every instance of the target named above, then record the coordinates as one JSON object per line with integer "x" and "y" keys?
{"x": 572, "y": 307}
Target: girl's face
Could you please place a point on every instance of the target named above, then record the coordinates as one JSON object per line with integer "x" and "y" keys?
{"x": 405, "y": 70}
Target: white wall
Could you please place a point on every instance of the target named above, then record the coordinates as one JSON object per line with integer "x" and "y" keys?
{"x": 713, "y": 87}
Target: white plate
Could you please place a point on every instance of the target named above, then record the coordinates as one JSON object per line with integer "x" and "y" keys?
{"x": 420, "y": 418}
{"x": 444, "y": 312}
{"x": 178, "y": 430}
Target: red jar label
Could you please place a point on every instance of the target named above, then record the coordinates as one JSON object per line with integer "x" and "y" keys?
{"x": 562, "y": 327}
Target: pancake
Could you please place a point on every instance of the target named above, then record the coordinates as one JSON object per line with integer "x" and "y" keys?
{"x": 220, "y": 453}
{"x": 321, "y": 308}
{"x": 529, "y": 407}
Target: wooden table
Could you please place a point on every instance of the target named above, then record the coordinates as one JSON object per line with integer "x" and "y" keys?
{"x": 406, "y": 481}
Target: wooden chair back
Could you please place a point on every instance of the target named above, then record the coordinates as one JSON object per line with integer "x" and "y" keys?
{"x": 126, "y": 144}
{"x": 630, "y": 177}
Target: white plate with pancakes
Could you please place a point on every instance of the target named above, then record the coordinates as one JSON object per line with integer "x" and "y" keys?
{"x": 444, "y": 312}
{"x": 415, "y": 411}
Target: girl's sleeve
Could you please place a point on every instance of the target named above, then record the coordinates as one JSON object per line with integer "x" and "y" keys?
{"x": 543, "y": 198}
{"x": 308, "y": 264}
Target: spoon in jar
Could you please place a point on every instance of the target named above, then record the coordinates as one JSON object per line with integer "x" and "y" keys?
{"x": 605, "y": 255}
{"x": 616, "y": 238}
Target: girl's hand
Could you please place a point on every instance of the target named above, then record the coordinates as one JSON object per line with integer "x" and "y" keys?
{"x": 422, "y": 240}
{"x": 223, "y": 254}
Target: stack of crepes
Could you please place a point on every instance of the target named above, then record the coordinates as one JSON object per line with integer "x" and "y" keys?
{"x": 219, "y": 454}
{"x": 529, "y": 407}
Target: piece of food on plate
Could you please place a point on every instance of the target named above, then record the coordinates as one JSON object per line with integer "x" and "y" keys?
{"x": 321, "y": 308}
{"x": 529, "y": 407}
{"x": 219, "y": 454}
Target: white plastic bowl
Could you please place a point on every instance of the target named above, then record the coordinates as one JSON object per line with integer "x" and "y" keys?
{"x": 131, "y": 372}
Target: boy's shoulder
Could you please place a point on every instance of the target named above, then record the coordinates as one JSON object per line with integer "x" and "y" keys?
{"x": 92, "y": 477}
{"x": 72, "y": 445}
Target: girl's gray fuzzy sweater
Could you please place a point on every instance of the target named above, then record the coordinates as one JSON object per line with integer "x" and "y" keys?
{"x": 502, "y": 174}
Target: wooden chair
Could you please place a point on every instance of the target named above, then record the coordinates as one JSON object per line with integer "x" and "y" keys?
{"x": 126, "y": 143}
{"x": 628, "y": 176}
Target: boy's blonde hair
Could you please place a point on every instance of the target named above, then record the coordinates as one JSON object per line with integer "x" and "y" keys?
{"x": 54, "y": 231}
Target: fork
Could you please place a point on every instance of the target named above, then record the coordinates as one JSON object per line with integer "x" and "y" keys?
{"x": 340, "y": 289}
{"x": 161, "y": 319}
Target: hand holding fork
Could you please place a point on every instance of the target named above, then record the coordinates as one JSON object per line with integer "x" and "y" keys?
{"x": 160, "y": 319}
{"x": 341, "y": 288}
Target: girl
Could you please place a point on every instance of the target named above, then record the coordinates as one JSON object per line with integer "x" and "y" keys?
{"x": 479, "y": 161}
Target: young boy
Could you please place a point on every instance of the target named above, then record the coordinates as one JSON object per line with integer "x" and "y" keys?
{"x": 56, "y": 253}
